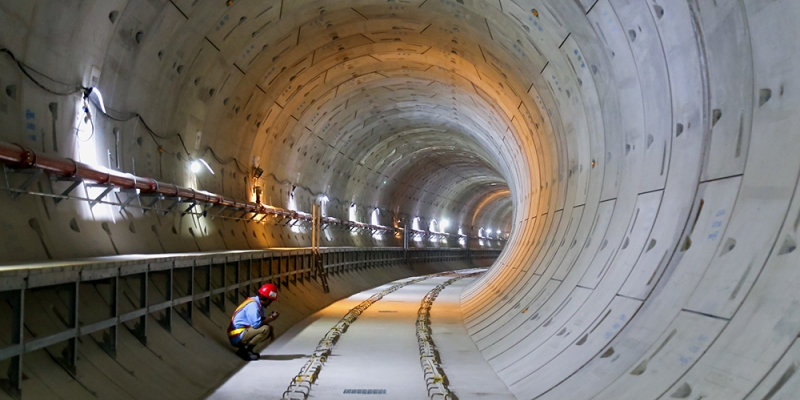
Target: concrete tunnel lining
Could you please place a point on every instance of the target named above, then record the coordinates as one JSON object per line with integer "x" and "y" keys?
{"x": 641, "y": 155}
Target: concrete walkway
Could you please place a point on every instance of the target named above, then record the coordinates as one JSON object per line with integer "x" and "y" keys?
{"x": 469, "y": 374}
{"x": 378, "y": 351}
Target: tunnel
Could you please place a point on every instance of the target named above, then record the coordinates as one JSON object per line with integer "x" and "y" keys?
{"x": 457, "y": 199}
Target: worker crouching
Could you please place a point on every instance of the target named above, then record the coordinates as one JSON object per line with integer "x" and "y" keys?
{"x": 249, "y": 326}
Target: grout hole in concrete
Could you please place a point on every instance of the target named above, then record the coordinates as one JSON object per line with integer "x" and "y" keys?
{"x": 763, "y": 96}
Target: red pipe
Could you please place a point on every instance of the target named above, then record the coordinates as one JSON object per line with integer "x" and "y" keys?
{"x": 18, "y": 156}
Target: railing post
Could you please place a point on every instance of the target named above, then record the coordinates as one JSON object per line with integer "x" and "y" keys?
{"x": 140, "y": 329}
{"x": 405, "y": 243}
{"x": 110, "y": 344}
{"x": 70, "y": 354}
{"x": 13, "y": 385}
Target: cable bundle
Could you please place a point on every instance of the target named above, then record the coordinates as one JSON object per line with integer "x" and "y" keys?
{"x": 435, "y": 378}
{"x": 300, "y": 387}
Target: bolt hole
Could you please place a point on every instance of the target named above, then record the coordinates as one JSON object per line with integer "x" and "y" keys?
{"x": 139, "y": 36}
{"x": 582, "y": 340}
{"x": 640, "y": 369}
{"x": 112, "y": 16}
{"x": 716, "y": 115}
{"x": 789, "y": 245}
{"x": 11, "y": 91}
{"x": 73, "y": 224}
{"x": 687, "y": 244}
{"x": 682, "y": 392}
{"x": 730, "y": 244}
{"x": 659, "y": 11}
{"x": 608, "y": 353}
{"x": 763, "y": 96}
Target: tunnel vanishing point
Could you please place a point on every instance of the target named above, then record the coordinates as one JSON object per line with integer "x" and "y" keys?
{"x": 628, "y": 168}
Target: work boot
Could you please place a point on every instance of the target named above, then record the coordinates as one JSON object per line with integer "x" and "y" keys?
{"x": 245, "y": 354}
{"x": 250, "y": 349}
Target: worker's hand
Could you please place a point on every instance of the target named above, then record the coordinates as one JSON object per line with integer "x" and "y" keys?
{"x": 273, "y": 316}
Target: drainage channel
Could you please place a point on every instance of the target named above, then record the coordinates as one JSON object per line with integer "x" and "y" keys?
{"x": 435, "y": 378}
{"x": 300, "y": 387}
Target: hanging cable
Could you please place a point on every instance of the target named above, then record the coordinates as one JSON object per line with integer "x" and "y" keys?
{"x": 24, "y": 68}
{"x": 105, "y": 113}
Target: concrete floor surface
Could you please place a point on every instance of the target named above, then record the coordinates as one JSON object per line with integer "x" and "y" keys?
{"x": 378, "y": 351}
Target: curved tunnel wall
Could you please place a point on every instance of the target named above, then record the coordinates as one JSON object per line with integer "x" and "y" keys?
{"x": 672, "y": 279}
{"x": 646, "y": 148}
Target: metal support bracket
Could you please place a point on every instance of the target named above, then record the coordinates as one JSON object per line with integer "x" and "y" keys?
{"x": 106, "y": 190}
{"x": 172, "y": 206}
{"x": 188, "y": 209}
{"x": 156, "y": 199}
{"x": 220, "y": 212}
{"x": 208, "y": 206}
{"x": 74, "y": 185}
{"x": 34, "y": 175}
{"x": 133, "y": 194}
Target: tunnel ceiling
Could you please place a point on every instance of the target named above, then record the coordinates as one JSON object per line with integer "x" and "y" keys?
{"x": 417, "y": 107}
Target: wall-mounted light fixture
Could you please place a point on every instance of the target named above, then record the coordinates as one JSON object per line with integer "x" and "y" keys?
{"x": 196, "y": 165}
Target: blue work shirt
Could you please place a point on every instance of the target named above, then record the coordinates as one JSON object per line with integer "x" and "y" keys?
{"x": 250, "y": 316}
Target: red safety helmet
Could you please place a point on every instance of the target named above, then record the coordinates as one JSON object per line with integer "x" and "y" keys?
{"x": 268, "y": 292}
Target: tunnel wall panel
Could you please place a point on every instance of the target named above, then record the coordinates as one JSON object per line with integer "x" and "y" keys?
{"x": 642, "y": 154}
